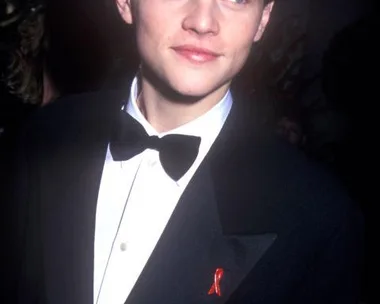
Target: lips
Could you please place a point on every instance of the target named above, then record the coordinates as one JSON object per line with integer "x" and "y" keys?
{"x": 196, "y": 54}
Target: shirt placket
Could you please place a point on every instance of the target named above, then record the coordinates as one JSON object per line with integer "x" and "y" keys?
{"x": 125, "y": 261}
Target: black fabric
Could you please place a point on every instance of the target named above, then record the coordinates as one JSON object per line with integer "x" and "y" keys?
{"x": 281, "y": 227}
{"x": 177, "y": 152}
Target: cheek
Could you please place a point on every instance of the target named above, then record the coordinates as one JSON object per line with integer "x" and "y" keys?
{"x": 241, "y": 50}
{"x": 152, "y": 34}
{"x": 244, "y": 38}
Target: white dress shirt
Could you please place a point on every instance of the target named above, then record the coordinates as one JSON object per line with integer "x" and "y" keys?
{"x": 136, "y": 200}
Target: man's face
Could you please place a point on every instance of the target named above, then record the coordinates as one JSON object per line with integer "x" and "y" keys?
{"x": 195, "y": 47}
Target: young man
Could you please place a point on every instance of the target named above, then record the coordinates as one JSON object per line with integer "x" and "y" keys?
{"x": 174, "y": 194}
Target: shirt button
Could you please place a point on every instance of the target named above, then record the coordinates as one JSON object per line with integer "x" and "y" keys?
{"x": 123, "y": 246}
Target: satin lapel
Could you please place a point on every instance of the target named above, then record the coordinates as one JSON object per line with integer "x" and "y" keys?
{"x": 182, "y": 266}
{"x": 76, "y": 151}
{"x": 68, "y": 229}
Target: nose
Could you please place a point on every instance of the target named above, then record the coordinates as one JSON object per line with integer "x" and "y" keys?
{"x": 201, "y": 18}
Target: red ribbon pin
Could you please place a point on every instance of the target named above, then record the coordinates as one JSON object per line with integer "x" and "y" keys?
{"x": 215, "y": 288}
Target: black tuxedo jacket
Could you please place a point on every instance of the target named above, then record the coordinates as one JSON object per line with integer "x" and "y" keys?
{"x": 280, "y": 227}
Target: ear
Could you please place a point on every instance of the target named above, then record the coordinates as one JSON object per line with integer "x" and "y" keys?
{"x": 264, "y": 21}
{"x": 125, "y": 10}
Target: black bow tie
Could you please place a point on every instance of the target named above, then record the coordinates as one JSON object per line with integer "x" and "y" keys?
{"x": 177, "y": 152}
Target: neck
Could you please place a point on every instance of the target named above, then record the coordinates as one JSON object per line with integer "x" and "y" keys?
{"x": 165, "y": 112}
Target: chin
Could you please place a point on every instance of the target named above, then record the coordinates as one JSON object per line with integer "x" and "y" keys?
{"x": 184, "y": 83}
{"x": 194, "y": 86}
{"x": 193, "y": 91}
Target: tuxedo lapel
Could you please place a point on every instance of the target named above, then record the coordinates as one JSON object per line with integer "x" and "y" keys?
{"x": 195, "y": 242}
{"x": 182, "y": 266}
{"x": 68, "y": 230}
{"x": 77, "y": 151}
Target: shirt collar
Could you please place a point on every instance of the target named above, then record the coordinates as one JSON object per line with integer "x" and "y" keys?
{"x": 211, "y": 121}
{"x": 206, "y": 126}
